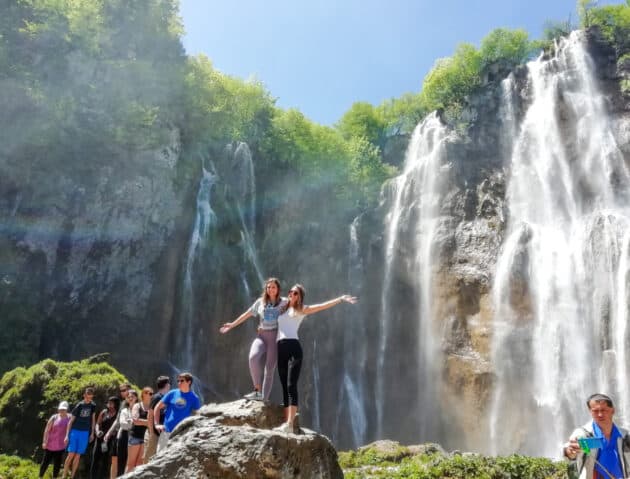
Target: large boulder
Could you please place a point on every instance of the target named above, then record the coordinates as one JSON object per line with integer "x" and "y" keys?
{"x": 236, "y": 440}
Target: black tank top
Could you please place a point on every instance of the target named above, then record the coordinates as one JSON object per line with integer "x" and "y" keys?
{"x": 138, "y": 431}
{"x": 107, "y": 421}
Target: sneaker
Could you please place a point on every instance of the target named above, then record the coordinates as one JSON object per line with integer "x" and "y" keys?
{"x": 295, "y": 425}
{"x": 254, "y": 396}
{"x": 284, "y": 427}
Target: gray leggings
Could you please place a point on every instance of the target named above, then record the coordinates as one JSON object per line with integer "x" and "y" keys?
{"x": 264, "y": 354}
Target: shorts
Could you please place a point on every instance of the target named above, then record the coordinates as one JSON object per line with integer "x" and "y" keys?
{"x": 119, "y": 443}
{"x": 135, "y": 441}
{"x": 78, "y": 441}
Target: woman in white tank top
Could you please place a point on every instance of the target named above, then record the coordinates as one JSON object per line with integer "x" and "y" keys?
{"x": 290, "y": 350}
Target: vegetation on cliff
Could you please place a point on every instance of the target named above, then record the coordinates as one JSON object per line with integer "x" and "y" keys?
{"x": 28, "y": 396}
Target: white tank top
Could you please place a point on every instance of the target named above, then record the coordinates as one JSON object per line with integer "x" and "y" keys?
{"x": 289, "y": 323}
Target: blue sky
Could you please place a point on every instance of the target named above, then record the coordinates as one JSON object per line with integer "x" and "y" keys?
{"x": 320, "y": 56}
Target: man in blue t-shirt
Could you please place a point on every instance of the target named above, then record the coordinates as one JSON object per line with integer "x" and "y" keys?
{"x": 80, "y": 431}
{"x": 179, "y": 403}
{"x": 608, "y": 454}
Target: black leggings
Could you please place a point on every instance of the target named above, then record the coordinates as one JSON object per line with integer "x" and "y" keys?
{"x": 54, "y": 457}
{"x": 289, "y": 365}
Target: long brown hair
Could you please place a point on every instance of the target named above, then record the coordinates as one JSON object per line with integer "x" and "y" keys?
{"x": 265, "y": 296}
{"x": 301, "y": 293}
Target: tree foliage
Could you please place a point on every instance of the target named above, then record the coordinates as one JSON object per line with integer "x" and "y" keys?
{"x": 29, "y": 396}
{"x": 220, "y": 108}
{"x": 103, "y": 75}
{"x": 614, "y": 22}
{"x": 510, "y": 47}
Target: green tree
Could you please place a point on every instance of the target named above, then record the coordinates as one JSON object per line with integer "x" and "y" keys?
{"x": 614, "y": 22}
{"x": 363, "y": 120}
{"x": 452, "y": 79}
{"x": 584, "y": 8}
{"x": 402, "y": 114}
{"x": 219, "y": 108}
{"x": 511, "y": 47}
{"x": 29, "y": 396}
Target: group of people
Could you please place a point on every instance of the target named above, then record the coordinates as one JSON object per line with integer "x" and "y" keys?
{"x": 127, "y": 432}
{"x": 277, "y": 343}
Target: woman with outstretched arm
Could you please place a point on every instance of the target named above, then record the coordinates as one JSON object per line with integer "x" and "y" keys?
{"x": 290, "y": 350}
{"x": 263, "y": 353}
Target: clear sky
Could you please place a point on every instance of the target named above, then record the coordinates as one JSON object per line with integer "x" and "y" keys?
{"x": 320, "y": 56}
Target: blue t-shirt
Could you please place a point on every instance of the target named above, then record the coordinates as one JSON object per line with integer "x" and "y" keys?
{"x": 179, "y": 406}
{"x": 267, "y": 313}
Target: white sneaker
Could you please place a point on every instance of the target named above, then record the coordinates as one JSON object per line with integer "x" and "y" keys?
{"x": 284, "y": 427}
{"x": 254, "y": 396}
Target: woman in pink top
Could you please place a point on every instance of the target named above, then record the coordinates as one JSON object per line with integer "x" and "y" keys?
{"x": 53, "y": 443}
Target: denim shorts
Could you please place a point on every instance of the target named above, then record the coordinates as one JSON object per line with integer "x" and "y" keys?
{"x": 135, "y": 441}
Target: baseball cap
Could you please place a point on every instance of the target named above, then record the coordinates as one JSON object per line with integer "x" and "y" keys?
{"x": 63, "y": 405}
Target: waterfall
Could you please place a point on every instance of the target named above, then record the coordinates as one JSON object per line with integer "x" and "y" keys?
{"x": 414, "y": 213}
{"x": 205, "y": 219}
{"x": 240, "y": 176}
{"x": 355, "y": 343}
{"x": 560, "y": 289}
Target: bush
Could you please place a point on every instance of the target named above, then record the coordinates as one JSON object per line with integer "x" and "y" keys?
{"x": 400, "y": 463}
{"x": 28, "y": 397}
{"x": 12, "y": 467}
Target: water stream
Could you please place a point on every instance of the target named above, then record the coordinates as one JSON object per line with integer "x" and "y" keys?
{"x": 560, "y": 288}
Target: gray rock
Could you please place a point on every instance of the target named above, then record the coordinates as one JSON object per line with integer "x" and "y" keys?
{"x": 234, "y": 440}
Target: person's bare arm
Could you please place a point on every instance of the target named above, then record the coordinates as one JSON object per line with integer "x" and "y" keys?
{"x": 70, "y": 422}
{"x": 316, "y": 308}
{"x": 156, "y": 414}
{"x": 241, "y": 319}
{"x": 46, "y": 431}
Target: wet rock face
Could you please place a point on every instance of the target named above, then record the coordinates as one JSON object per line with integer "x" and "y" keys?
{"x": 88, "y": 242}
{"x": 235, "y": 440}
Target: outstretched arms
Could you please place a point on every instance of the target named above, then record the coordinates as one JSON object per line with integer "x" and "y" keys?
{"x": 229, "y": 326}
{"x": 315, "y": 308}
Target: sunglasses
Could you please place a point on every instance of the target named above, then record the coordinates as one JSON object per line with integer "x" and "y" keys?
{"x": 296, "y": 293}
{"x": 148, "y": 392}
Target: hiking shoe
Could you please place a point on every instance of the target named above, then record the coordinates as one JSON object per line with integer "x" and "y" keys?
{"x": 254, "y": 396}
{"x": 295, "y": 425}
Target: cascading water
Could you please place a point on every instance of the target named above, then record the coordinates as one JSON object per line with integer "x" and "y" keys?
{"x": 205, "y": 219}
{"x": 352, "y": 387}
{"x": 560, "y": 288}
{"x": 414, "y": 213}
{"x": 242, "y": 181}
